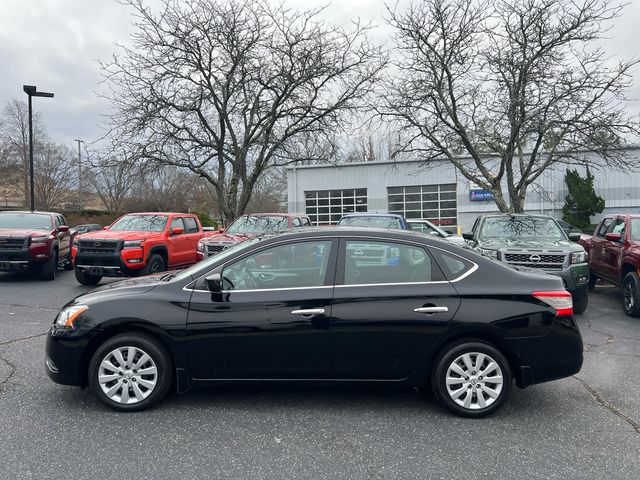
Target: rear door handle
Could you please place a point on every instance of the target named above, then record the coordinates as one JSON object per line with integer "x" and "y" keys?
{"x": 309, "y": 312}
{"x": 431, "y": 309}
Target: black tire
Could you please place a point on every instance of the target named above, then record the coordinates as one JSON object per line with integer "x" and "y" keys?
{"x": 86, "y": 278}
{"x": 451, "y": 354}
{"x": 592, "y": 281}
{"x": 68, "y": 266}
{"x": 580, "y": 300}
{"x": 50, "y": 267}
{"x": 155, "y": 264}
{"x": 631, "y": 294}
{"x": 142, "y": 344}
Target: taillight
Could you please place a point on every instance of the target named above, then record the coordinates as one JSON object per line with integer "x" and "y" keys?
{"x": 560, "y": 300}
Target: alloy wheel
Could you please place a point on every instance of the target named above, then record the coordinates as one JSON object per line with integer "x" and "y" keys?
{"x": 474, "y": 380}
{"x": 127, "y": 375}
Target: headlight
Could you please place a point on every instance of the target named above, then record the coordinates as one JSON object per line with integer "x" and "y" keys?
{"x": 489, "y": 253}
{"x": 578, "y": 257}
{"x": 40, "y": 239}
{"x": 133, "y": 244}
{"x": 67, "y": 316}
{"x": 200, "y": 246}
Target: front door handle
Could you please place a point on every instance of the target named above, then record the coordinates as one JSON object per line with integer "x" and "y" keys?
{"x": 308, "y": 312}
{"x": 431, "y": 310}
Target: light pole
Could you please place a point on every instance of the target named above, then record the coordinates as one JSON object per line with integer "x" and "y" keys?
{"x": 30, "y": 90}
{"x": 79, "y": 175}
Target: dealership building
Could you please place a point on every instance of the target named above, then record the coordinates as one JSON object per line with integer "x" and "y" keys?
{"x": 439, "y": 193}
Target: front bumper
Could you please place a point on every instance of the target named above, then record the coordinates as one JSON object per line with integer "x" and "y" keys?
{"x": 124, "y": 263}
{"x": 575, "y": 277}
{"x": 22, "y": 261}
{"x": 64, "y": 361}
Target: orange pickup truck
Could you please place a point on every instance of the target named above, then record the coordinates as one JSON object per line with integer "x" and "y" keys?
{"x": 137, "y": 244}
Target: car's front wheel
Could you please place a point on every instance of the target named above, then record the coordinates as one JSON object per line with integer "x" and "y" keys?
{"x": 471, "y": 378}
{"x": 631, "y": 294}
{"x": 86, "y": 278}
{"x": 130, "y": 372}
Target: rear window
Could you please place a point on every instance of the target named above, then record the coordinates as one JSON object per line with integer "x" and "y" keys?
{"x": 371, "y": 222}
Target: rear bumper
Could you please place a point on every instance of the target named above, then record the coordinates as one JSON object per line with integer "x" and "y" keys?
{"x": 558, "y": 354}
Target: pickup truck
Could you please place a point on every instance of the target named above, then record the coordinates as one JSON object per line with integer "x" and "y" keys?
{"x": 34, "y": 242}
{"x": 535, "y": 243}
{"x": 614, "y": 256}
{"x": 137, "y": 244}
{"x": 248, "y": 226}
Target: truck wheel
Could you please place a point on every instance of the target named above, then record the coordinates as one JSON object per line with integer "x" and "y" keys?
{"x": 155, "y": 264}
{"x": 49, "y": 267}
{"x": 592, "y": 281}
{"x": 68, "y": 266}
{"x": 631, "y": 294}
{"x": 580, "y": 300}
{"x": 86, "y": 278}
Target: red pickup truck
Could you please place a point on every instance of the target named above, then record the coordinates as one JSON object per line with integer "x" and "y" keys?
{"x": 614, "y": 256}
{"x": 34, "y": 242}
{"x": 137, "y": 244}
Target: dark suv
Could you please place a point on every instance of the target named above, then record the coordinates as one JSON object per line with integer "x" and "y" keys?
{"x": 535, "y": 242}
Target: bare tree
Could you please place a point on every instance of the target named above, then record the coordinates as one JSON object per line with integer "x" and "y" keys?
{"x": 55, "y": 177}
{"x": 112, "y": 180}
{"x": 14, "y": 135}
{"x": 504, "y": 89}
{"x": 221, "y": 87}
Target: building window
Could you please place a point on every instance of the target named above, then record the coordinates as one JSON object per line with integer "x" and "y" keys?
{"x": 326, "y": 207}
{"x": 436, "y": 203}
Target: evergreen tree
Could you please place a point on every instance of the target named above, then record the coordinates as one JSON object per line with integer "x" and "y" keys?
{"x": 581, "y": 202}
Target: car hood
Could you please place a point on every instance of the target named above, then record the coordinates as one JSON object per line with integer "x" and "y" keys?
{"x": 129, "y": 286}
{"x": 22, "y": 232}
{"x": 117, "y": 234}
{"x": 228, "y": 237}
{"x": 504, "y": 243}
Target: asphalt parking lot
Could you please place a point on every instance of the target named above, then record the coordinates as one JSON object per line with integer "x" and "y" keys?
{"x": 587, "y": 426}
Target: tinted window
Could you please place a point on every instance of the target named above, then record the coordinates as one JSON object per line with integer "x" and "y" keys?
{"x": 191, "y": 225}
{"x": 300, "y": 264}
{"x": 374, "y": 262}
{"x": 452, "y": 265}
{"x": 604, "y": 226}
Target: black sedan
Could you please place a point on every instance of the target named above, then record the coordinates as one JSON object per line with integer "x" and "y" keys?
{"x": 324, "y": 306}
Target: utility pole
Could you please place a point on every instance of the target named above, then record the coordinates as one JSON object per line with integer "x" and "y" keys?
{"x": 79, "y": 174}
{"x": 31, "y": 91}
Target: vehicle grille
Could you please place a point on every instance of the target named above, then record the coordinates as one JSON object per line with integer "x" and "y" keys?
{"x": 13, "y": 243}
{"x": 215, "y": 248}
{"x": 544, "y": 261}
{"x": 99, "y": 246}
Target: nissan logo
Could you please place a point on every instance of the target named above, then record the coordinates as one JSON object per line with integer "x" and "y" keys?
{"x": 535, "y": 258}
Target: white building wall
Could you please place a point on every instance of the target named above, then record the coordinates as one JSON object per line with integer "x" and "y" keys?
{"x": 621, "y": 190}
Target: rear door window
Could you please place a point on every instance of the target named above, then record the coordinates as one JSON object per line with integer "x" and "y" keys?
{"x": 191, "y": 225}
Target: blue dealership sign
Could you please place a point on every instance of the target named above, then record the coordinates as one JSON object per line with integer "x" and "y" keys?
{"x": 480, "y": 195}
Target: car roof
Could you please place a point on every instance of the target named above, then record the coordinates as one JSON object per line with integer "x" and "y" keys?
{"x": 498, "y": 215}
{"x": 336, "y": 231}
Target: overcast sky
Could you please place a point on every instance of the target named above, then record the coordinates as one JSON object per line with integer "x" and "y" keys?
{"x": 56, "y": 45}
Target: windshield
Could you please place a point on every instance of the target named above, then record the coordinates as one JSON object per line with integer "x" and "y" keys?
{"x": 521, "y": 227}
{"x": 25, "y": 220}
{"x": 371, "y": 222}
{"x": 256, "y": 224}
{"x": 188, "y": 272}
{"x": 141, "y": 223}
{"x": 635, "y": 229}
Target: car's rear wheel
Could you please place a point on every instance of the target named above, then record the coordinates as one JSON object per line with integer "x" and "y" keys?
{"x": 130, "y": 372}
{"x": 631, "y": 294}
{"x": 580, "y": 300}
{"x": 471, "y": 378}
{"x": 86, "y": 278}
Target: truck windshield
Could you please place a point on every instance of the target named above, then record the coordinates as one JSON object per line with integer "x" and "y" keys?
{"x": 25, "y": 220}
{"x": 371, "y": 222}
{"x": 258, "y": 224}
{"x": 141, "y": 223}
{"x": 521, "y": 227}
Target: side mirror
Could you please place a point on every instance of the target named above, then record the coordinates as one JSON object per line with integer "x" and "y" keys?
{"x": 613, "y": 237}
{"x": 214, "y": 283}
{"x": 177, "y": 231}
{"x": 63, "y": 228}
{"x": 574, "y": 237}
{"x": 467, "y": 236}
